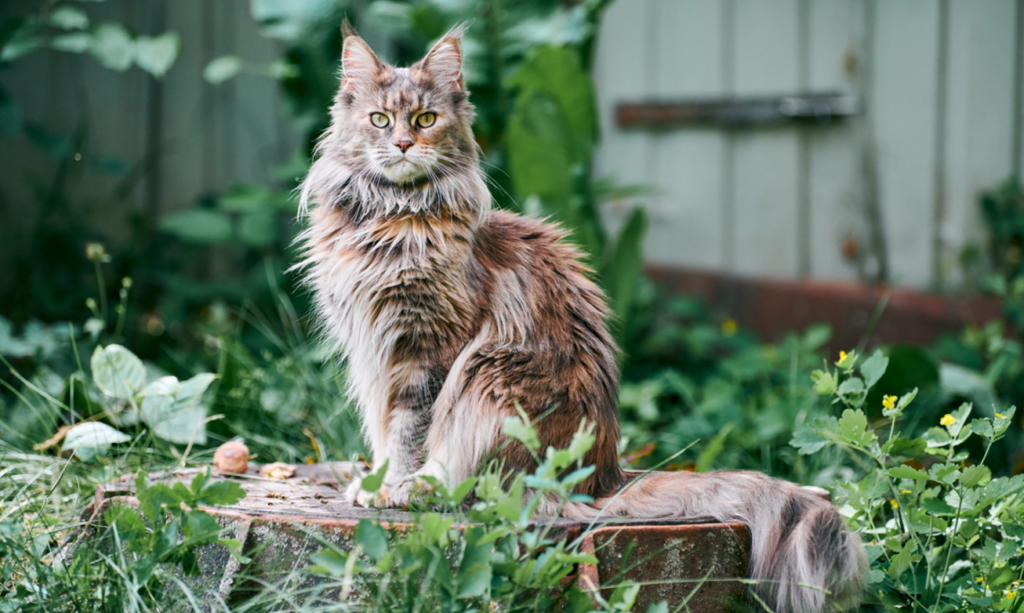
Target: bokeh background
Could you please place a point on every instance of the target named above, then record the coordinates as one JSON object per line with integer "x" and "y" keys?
{"x": 757, "y": 185}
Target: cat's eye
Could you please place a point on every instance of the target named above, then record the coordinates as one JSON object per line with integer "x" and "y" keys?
{"x": 380, "y": 120}
{"x": 426, "y": 120}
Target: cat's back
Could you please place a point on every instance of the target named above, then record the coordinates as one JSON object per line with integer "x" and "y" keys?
{"x": 553, "y": 353}
{"x": 538, "y": 280}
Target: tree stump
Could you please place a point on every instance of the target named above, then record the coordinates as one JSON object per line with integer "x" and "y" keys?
{"x": 282, "y": 522}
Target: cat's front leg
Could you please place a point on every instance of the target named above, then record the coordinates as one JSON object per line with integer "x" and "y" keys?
{"x": 404, "y": 423}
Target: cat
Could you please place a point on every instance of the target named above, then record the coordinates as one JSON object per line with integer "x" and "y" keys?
{"x": 450, "y": 314}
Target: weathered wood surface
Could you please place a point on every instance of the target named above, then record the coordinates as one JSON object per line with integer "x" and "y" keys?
{"x": 282, "y": 522}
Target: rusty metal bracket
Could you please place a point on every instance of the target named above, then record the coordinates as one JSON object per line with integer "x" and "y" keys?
{"x": 821, "y": 108}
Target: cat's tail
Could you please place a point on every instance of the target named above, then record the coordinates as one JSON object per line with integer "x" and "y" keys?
{"x": 803, "y": 557}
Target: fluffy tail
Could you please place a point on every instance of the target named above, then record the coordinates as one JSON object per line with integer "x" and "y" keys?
{"x": 802, "y": 554}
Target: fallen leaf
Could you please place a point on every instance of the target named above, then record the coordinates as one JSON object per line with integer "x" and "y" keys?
{"x": 277, "y": 470}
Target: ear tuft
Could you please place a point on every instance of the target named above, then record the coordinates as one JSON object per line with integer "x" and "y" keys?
{"x": 444, "y": 60}
{"x": 358, "y": 62}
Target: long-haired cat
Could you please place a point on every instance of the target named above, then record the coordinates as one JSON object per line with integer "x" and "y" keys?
{"x": 448, "y": 314}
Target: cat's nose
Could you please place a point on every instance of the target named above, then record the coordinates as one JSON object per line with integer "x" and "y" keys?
{"x": 403, "y": 145}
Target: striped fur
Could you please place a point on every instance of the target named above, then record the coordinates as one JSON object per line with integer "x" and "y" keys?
{"x": 448, "y": 313}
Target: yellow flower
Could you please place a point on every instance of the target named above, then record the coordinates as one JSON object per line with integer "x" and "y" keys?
{"x": 1000, "y": 415}
{"x": 904, "y": 491}
{"x": 947, "y": 420}
{"x": 729, "y": 327}
{"x": 889, "y": 402}
{"x": 1011, "y": 595}
{"x": 894, "y": 504}
{"x": 842, "y": 356}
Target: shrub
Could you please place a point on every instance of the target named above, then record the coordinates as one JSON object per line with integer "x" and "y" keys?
{"x": 942, "y": 533}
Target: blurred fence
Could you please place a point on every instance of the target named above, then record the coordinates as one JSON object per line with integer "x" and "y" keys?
{"x": 153, "y": 146}
{"x": 939, "y": 87}
{"x": 887, "y": 192}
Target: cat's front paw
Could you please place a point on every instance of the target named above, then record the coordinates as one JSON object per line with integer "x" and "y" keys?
{"x": 352, "y": 491}
{"x": 380, "y": 499}
{"x": 396, "y": 495}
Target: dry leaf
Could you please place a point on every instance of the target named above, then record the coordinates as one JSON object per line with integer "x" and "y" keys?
{"x": 56, "y": 438}
{"x": 277, "y": 470}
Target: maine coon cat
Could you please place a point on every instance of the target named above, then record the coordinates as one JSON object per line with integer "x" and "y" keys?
{"x": 448, "y": 313}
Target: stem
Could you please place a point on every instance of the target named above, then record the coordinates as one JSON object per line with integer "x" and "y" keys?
{"x": 928, "y": 575}
{"x": 949, "y": 551}
{"x": 101, "y": 283}
{"x": 122, "y": 312}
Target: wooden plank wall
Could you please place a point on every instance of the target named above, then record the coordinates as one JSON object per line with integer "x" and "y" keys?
{"x": 941, "y": 85}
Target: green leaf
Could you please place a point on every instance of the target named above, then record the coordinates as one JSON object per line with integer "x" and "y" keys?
{"x": 463, "y": 490}
{"x": 983, "y": 428}
{"x": 713, "y": 449}
{"x": 1002, "y": 421}
{"x": 222, "y": 69}
{"x": 515, "y": 427}
{"x": 901, "y": 561}
{"x": 474, "y": 576}
{"x": 202, "y": 526}
{"x": 825, "y": 383}
{"x": 903, "y": 446}
{"x": 223, "y": 492}
{"x": 906, "y": 399}
{"x": 936, "y": 437}
{"x": 937, "y": 506}
{"x": 331, "y": 561}
{"x": 157, "y": 54}
{"x": 174, "y": 411}
{"x": 113, "y": 47}
{"x": 18, "y": 38}
{"x": 550, "y": 138}
{"x": 258, "y": 229}
{"x": 372, "y": 482}
{"x": 807, "y": 441}
{"x": 198, "y": 226}
{"x": 975, "y": 475}
{"x": 289, "y": 20}
{"x": 946, "y": 473}
{"x": 873, "y": 368}
{"x": 117, "y": 372}
{"x": 966, "y": 383}
{"x": 127, "y": 522}
{"x": 198, "y": 482}
{"x": 958, "y": 427}
{"x": 433, "y": 525}
{"x": 846, "y": 363}
{"x": 852, "y": 385}
{"x": 91, "y": 439}
{"x": 372, "y": 538}
{"x": 906, "y": 472}
{"x": 853, "y": 427}
{"x": 625, "y": 266}
{"x": 578, "y": 476}
{"x": 69, "y": 18}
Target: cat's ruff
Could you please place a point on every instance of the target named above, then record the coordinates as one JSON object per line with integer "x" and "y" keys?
{"x": 448, "y": 313}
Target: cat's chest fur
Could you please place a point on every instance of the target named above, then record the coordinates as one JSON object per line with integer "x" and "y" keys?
{"x": 404, "y": 286}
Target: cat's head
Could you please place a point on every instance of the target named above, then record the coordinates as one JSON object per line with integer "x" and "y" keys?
{"x": 404, "y": 125}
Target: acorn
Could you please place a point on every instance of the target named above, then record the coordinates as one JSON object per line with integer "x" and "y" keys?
{"x": 231, "y": 457}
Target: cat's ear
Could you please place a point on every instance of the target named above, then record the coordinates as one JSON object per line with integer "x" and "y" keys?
{"x": 359, "y": 63}
{"x": 444, "y": 60}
